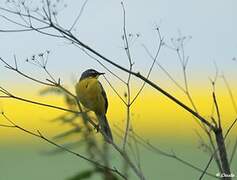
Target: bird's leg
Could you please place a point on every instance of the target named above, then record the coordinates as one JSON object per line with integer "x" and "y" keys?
{"x": 97, "y": 127}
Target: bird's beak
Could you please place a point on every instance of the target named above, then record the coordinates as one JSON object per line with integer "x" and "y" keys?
{"x": 101, "y": 73}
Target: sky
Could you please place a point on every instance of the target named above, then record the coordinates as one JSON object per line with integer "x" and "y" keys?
{"x": 211, "y": 24}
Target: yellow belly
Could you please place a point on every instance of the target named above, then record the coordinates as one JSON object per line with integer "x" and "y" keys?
{"x": 89, "y": 93}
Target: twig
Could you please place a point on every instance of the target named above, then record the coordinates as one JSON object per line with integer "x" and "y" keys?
{"x": 128, "y": 104}
{"x": 52, "y": 83}
{"x": 8, "y": 126}
{"x": 233, "y": 152}
{"x": 98, "y": 61}
{"x": 12, "y": 21}
{"x": 215, "y": 100}
{"x": 137, "y": 151}
{"x": 79, "y": 15}
{"x": 49, "y": 11}
{"x": 7, "y": 65}
{"x": 183, "y": 60}
{"x": 41, "y": 136}
{"x": 174, "y": 156}
{"x": 40, "y": 104}
{"x": 25, "y": 15}
{"x": 217, "y": 149}
{"x": 70, "y": 37}
{"x": 152, "y": 65}
{"x": 230, "y": 128}
{"x": 207, "y": 166}
{"x": 115, "y": 90}
{"x": 217, "y": 109}
{"x": 163, "y": 69}
{"x": 55, "y": 84}
{"x": 146, "y": 144}
{"x": 230, "y": 93}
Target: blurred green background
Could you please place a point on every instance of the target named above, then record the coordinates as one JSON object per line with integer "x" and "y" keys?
{"x": 28, "y": 162}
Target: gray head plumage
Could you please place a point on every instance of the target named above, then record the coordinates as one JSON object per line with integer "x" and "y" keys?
{"x": 90, "y": 73}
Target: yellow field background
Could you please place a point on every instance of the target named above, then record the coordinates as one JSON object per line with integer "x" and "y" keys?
{"x": 153, "y": 115}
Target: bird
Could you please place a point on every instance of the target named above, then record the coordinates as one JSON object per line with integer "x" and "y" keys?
{"x": 92, "y": 96}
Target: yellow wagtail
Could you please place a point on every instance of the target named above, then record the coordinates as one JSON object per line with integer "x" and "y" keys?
{"x": 92, "y": 95}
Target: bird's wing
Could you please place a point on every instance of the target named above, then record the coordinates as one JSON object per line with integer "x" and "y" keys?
{"x": 104, "y": 96}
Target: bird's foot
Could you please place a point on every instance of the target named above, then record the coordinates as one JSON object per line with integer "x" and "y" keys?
{"x": 97, "y": 128}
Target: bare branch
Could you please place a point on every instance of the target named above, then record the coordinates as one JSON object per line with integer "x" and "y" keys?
{"x": 14, "y": 22}
{"x": 128, "y": 94}
{"x": 230, "y": 93}
{"x": 207, "y": 166}
{"x": 115, "y": 90}
{"x": 217, "y": 109}
{"x": 49, "y": 11}
{"x": 233, "y": 152}
{"x": 55, "y": 84}
{"x": 79, "y": 15}
{"x": 152, "y": 148}
{"x": 164, "y": 70}
{"x": 217, "y": 149}
{"x": 69, "y": 36}
{"x": 39, "y": 103}
{"x": 139, "y": 76}
{"x": 7, "y": 65}
{"x": 41, "y": 136}
{"x": 147, "y": 145}
{"x": 230, "y": 128}
{"x": 18, "y": 30}
{"x": 24, "y": 15}
{"x": 98, "y": 61}
{"x": 152, "y": 65}
{"x": 8, "y": 126}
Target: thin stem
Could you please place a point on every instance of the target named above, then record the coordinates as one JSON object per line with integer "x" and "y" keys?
{"x": 146, "y": 144}
{"x": 25, "y": 15}
{"x": 233, "y": 152}
{"x": 98, "y": 61}
{"x": 42, "y": 104}
{"x": 7, "y": 65}
{"x": 41, "y": 136}
{"x": 171, "y": 155}
{"x": 80, "y": 108}
{"x": 128, "y": 96}
{"x": 217, "y": 149}
{"x": 183, "y": 61}
{"x": 139, "y": 76}
{"x": 230, "y": 93}
{"x": 151, "y": 67}
{"x": 230, "y": 128}
{"x": 120, "y": 97}
{"x": 79, "y": 15}
{"x": 217, "y": 109}
{"x": 207, "y": 166}
{"x": 14, "y": 22}
{"x": 8, "y": 126}
{"x": 49, "y": 10}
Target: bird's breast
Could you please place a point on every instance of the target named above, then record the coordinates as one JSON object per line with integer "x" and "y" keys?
{"x": 89, "y": 93}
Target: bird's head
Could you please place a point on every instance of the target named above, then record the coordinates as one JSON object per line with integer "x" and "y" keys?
{"x": 90, "y": 73}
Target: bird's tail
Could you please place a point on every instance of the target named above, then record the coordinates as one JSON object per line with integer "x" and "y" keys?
{"x": 104, "y": 125}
